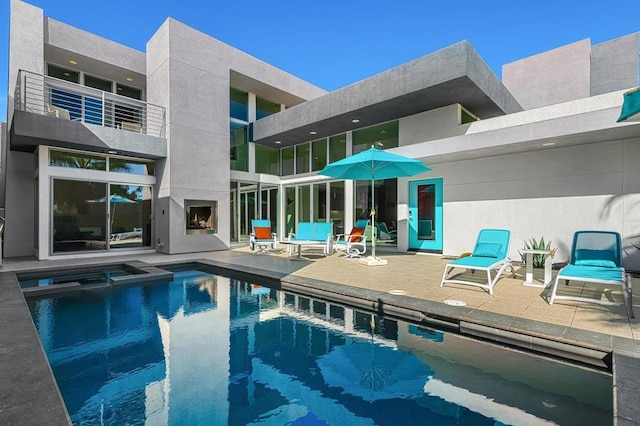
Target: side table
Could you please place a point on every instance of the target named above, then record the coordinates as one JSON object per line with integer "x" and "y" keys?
{"x": 528, "y": 281}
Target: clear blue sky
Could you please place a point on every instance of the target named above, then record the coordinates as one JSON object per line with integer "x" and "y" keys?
{"x": 333, "y": 43}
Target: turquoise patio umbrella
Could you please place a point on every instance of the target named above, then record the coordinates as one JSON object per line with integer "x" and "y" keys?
{"x": 374, "y": 164}
{"x": 630, "y": 106}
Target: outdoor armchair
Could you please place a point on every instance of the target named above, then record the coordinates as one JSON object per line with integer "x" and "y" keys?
{"x": 262, "y": 237}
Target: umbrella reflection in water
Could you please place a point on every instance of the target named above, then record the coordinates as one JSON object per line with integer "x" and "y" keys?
{"x": 387, "y": 373}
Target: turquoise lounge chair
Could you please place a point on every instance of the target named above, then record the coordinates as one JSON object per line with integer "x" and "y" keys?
{"x": 262, "y": 237}
{"x": 490, "y": 253}
{"x": 596, "y": 258}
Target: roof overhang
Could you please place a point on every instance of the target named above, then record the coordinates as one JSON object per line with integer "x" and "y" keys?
{"x": 585, "y": 121}
{"x": 456, "y": 74}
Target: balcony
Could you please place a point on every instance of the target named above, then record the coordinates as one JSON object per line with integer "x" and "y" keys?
{"x": 45, "y": 95}
{"x": 49, "y": 111}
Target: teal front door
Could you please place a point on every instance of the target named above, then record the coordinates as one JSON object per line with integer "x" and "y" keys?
{"x": 425, "y": 215}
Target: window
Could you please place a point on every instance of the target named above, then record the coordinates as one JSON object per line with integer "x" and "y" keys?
{"x": 123, "y": 165}
{"x": 318, "y": 154}
{"x": 267, "y": 160}
{"x": 466, "y": 116}
{"x": 129, "y": 216}
{"x": 383, "y": 136}
{"x": 79, "y": 215}
{"x": 304, "y": 211}
{"x": 63, "y": 74}
{"x": 337, "y": 148}
{"x": 129, "y": 92}
{"x": 77, "y": 161}
{"x": 336, "y": 206}
{"x": 303, "y": 155}
{"x": 320, "y": 202}
{"x": 265, "y": 108}
{"x": 288, "y": 155}
{"x": 239, "y": 147}
{"x": 239, "y": 107}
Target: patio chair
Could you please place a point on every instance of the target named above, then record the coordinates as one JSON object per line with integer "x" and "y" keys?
{"x": 58, "y": 112}
{"x": 353, "y": 244}
{"x": 596, "y": 258}
{"x": 490, "y": 253}
{"x": 262, "y": 237}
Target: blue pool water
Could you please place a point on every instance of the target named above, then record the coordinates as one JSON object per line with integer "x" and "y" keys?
{"x": 209, "y": 350}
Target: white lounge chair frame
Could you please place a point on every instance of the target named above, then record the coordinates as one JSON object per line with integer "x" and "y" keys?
{"x": 353, "y": 249}
{"x": 483, "y": 263}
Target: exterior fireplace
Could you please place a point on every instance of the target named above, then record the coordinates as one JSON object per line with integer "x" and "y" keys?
{"x": 201, "y": 217}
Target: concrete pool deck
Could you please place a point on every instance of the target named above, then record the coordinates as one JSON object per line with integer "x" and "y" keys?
{"x": 409, "y": 285}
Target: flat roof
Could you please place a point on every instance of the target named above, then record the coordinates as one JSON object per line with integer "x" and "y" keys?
{"x": 455, "y": 74}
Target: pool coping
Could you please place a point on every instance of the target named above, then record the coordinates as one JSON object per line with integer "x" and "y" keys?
{"x": 29, "y": 393}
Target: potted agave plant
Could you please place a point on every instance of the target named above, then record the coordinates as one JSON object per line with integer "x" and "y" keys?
{"x": 533, "y": 244}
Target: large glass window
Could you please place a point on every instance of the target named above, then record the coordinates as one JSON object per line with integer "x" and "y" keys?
{"x": 265, "y": 108}
{"x": 336, "y": 206}
{"x": 320, "y": 202}
{"x": 129, "y": 216}
{"x": 123, "y": 165}
{"x": 290, "y": 210}
{"x": 97, "y": 216}
{"x": 318, "y": 154}
{"x": 239, "y": 108}
{"x": 239, "y": 147}
{"x": 267, "y": 160}
{"x": 128, "y": 91}
{"x": 79, "y": 215}
{"x": 385, "y": 208}
{"x": 304, "y": 192}
{"x": 303, "y": 155}
{"x": 288, "y": 155}
{"x": 337, "y": 148}
{"x": 383, "y": 136}
{"x": 77, "y": 160}
{"x": 63, "y": 74}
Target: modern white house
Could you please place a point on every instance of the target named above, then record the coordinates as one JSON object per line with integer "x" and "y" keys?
{"x": 111, "y": 150}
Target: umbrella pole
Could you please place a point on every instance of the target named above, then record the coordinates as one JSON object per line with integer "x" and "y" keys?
{"x": 373, "y": 260}
{"x": 373, "y": 219}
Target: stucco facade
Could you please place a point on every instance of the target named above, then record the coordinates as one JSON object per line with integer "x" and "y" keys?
{"x": 539, "y": 153}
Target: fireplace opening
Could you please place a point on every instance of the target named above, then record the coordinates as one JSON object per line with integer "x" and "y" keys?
{"x": 201, "y": 217}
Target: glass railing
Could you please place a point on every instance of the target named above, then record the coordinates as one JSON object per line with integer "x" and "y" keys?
{"x": 45, "y": 95}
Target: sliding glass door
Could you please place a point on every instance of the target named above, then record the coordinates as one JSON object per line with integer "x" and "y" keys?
{"x": 89, "y": 216}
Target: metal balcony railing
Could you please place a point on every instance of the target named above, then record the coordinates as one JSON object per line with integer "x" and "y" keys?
{"x": 51, "y": 96}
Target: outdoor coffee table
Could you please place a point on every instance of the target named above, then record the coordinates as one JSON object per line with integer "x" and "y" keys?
{"x": 299, "y": 244}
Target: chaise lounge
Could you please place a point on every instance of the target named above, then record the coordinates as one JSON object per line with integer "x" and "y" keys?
{"x": 489, "y": 254}
{"x": 596, "y": 258}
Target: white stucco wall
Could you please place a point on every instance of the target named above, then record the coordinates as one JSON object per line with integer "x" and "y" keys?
{"x": 550, "y": 194}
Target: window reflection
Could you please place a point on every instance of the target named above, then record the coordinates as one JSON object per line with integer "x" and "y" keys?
{"x": 130, "y": 216}
{"x": 79, "y": 215}
{"x": 77, "y": 161}
{"x": 86, "y": 218}
{"x": 122, "y": 165}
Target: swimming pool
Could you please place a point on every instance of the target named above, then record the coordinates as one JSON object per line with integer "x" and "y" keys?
{"x": 208, "y": 349}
